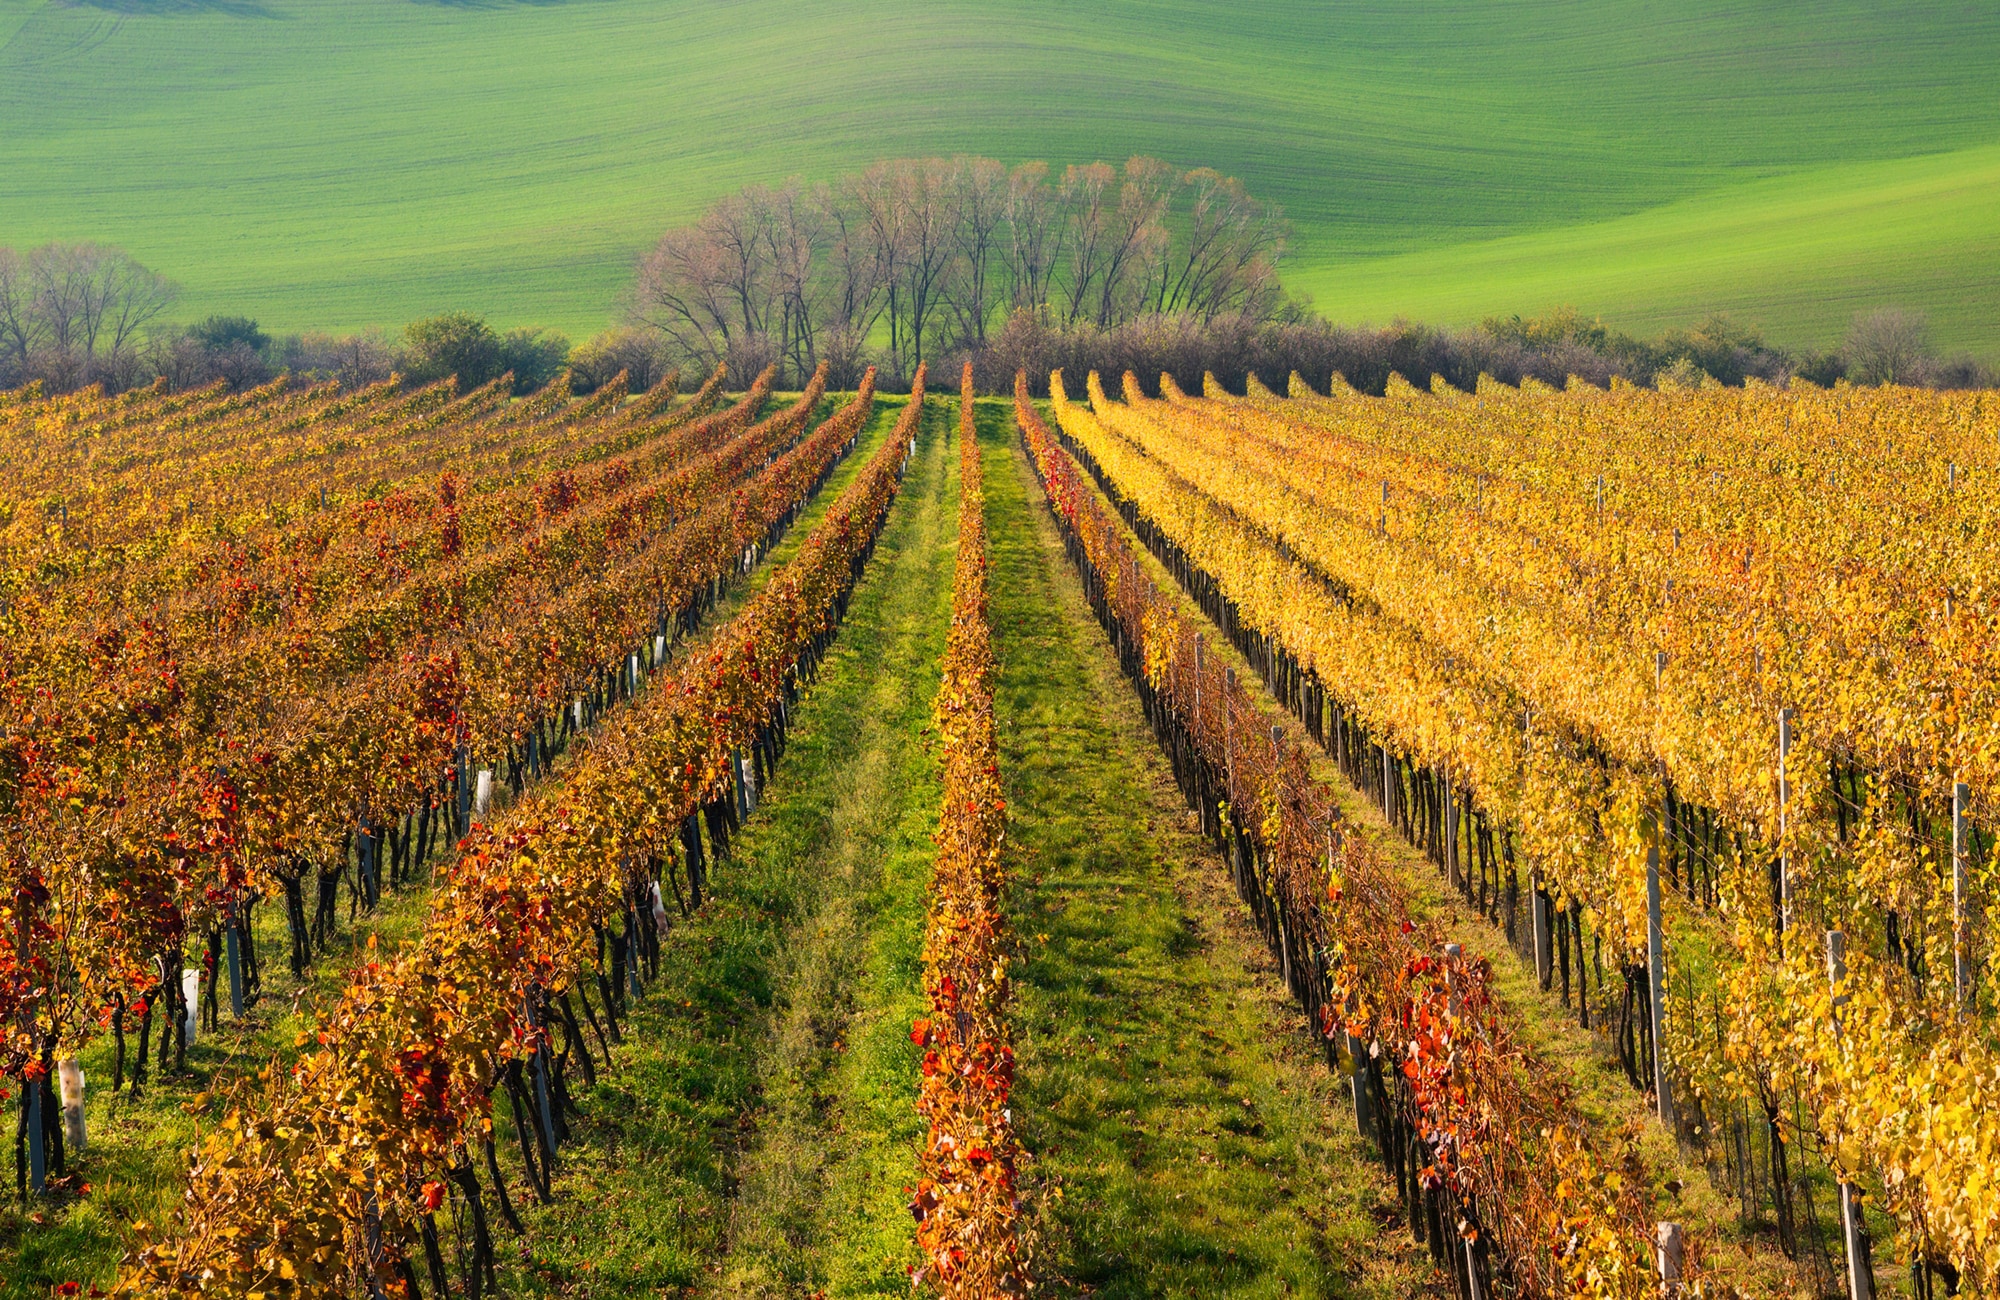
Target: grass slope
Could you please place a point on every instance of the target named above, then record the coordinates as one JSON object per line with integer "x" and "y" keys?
{"x": 1187, "y": 1140}
{"x": 341, "y": 165}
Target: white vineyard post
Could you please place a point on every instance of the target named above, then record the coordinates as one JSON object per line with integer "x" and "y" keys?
{"x": 1854, "y": 1229}
{"x": 1672, "y": 1253}
{"x": 482, "y": 795}
{"x": 69, "y": 1075}
{"x": 1656, "y": 954}
{"x": 1961, "y": 862}
{"x": 191, "y": 1002}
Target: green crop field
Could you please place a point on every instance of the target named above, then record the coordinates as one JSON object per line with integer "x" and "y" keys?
{"x": 323, "y": 165}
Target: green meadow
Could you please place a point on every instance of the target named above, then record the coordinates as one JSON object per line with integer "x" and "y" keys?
{"x": 338, "y": 165}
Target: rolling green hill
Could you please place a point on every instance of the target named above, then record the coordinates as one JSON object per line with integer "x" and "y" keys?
{"x": 321, "y": 164}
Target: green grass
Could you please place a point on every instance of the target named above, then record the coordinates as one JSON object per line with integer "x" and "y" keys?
{"x": 756, "y": 1131}
{"x": 1187, "y": 1139}
{"x": 322, "y": 165}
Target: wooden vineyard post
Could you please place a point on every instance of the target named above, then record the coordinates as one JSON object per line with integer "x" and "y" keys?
{"x": 1450, "y": 838}
{"x": 38, "y": 1156}
{"x": 1538, "y": 910}
{"x": 1784, "y": 899}
{"x": 464, "y": 792}
{"x": 1656, "y": 974}
{"x": 1194, "y": 732}
{"x": 1961, "y": 862}
{"x": 1357, "y": 1051}
{"x": 1854, "y": 1228}
{"x": 1284, "y": 927}
{"x": 235, "y": 954}
{"x": 482, "y": 796}
{"x": 1364, "y": 1118}
{"x": 1229, "y": 736}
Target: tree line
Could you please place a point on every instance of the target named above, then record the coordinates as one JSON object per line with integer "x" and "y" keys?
{"x": 929, "y": 256}
{"x": 74, "y": 315}
{"x": 1143, "y": 268}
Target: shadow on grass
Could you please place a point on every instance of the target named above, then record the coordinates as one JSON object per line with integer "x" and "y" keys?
{"x": 167, "y": 8}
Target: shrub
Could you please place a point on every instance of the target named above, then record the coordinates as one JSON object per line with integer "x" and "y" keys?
{"x": 456, "y": 343}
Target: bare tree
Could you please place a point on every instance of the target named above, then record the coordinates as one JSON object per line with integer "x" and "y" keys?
{"x": 852, "y": 299}
{"x": 1085, "y": 201}
{"x": 94, "y": 300}
{"x": 20, "y": 329}
{"x": 795, "y": 231}
{"x": 877, "y": 195}
{"x": 926, "y": 193}
{"x": 72, "y": 313}
{"x": 705, "y": 286}
{"x": 1226, "y": 262}
{"x": 1133, "y": 234}
{"x": 129, "y": 298}
{"x": 1890, "y": 346}
{"x": 979, "y": 193}
{"x": 1035, "y": 236}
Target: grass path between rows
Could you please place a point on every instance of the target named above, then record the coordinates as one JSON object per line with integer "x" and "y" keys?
{"x": 756, "y": 1133}
{"x": 1188, "y": 1139}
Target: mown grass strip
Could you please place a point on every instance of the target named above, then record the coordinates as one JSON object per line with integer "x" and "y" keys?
{"x": 1188, "y": 1139}
{"x": 756, "y": 1135}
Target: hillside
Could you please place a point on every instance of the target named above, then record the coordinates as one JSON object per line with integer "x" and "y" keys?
{"x": 336, "y": 166}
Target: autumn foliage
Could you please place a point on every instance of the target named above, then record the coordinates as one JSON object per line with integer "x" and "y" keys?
{"x": 1502, "y": 1176}
{"x": 966, "y": 1202}
{"x": 320, "y": 1184}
